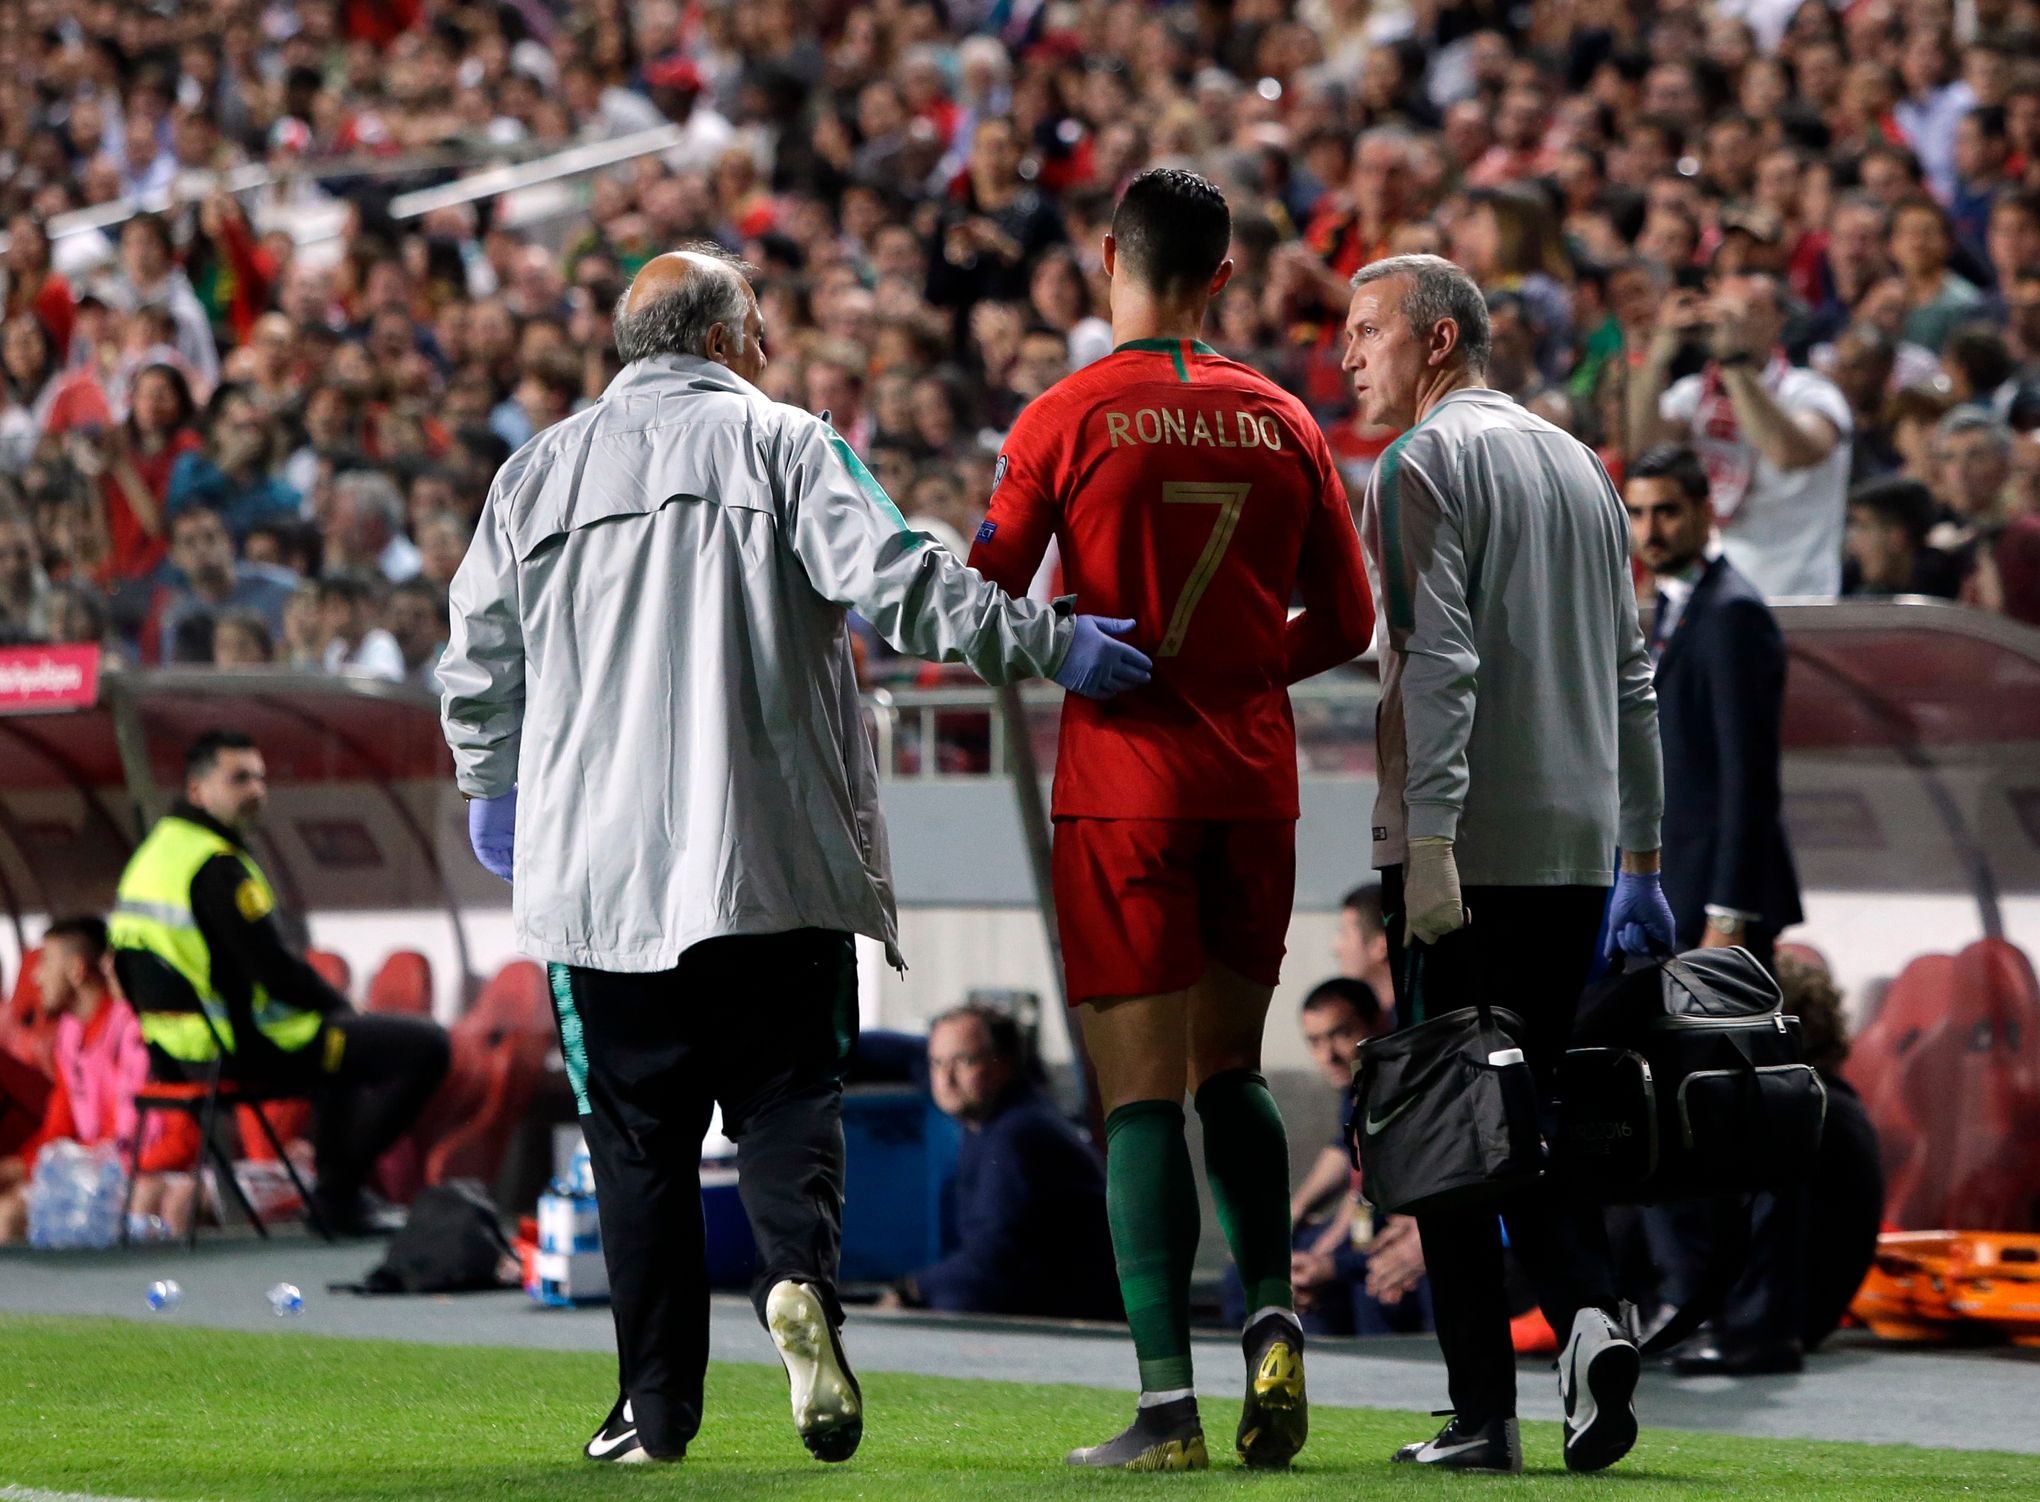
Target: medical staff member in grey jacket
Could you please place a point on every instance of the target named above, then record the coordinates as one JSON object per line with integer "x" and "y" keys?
{"x": 1516, "y": 750}
{"x": 650, "y": 697}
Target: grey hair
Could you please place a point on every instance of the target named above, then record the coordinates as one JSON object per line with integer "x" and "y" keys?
{"x": 372, "y": 493}
{"x": 1975, "y": 420}
{"x": 677, "y": 322}
{"x": 1439, "y": 289}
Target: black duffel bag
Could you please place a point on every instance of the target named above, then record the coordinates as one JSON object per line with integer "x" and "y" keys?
{"x": 1685, "y": 1081}
{"x": 1445, "y": 1112}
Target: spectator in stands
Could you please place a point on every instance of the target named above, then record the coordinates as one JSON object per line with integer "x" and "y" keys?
{"x": 1772, "y": 435}
{"x": 1975, "y": 451}
{"x": 133, "y": 463}
{"x": 23, "y": 584}
{"x": 101, "y": 1062}
{"x": 1360, "y": 945}
{"x": 234, "y": 473}
{"x": 1720, "y": 676}
{"x": 364, "y": 527}
{"x": 352, "y": 642}
{"x": 1030, "y": 1193}
{"x": 30, "y": 378}
{"x": 149, "y": 276}
{"x": 32, "y": 285}
{"x": 1936, "y": 298}
{"x": 242, "y": 639}
{"x": 1888, "y": 551}
{"x": 214, "y": 581}
{"x": 418, "y": 623}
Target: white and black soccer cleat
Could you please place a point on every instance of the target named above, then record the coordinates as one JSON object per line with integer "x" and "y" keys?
{"x": 828, "y": 1405}
{"x": 617, "y": 1440}
{"x": 1494, "y": 1446}
{"x": 1597, "y": 1375}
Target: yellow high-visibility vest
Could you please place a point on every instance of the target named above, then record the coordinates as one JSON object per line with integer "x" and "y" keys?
{"x": 152, "y": 913}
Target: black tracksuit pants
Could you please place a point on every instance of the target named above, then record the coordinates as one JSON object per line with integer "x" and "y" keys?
{"x": 760, "y": 1024}
{"x": 1528, "y": 949}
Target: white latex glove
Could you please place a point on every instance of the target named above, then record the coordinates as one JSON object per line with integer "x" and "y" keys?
{"x": 1431, "y": 903}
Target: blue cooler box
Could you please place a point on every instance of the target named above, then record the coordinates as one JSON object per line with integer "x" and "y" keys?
{"x": 901, "y": 1165}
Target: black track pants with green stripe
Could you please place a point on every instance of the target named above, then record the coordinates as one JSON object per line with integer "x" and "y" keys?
{"x": 760, "y": 1024}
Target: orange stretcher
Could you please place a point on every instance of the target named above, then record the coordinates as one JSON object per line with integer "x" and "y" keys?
{"x": 1945, "y": 1286}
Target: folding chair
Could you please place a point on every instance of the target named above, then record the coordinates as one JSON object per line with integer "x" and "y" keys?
{"x": 204, "y": 1101}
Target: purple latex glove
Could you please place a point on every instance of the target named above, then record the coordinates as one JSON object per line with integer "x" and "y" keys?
{"x": 492, "y": 830}
{"x": 1098, "y": 665}
{"x": 1639, "y": 917}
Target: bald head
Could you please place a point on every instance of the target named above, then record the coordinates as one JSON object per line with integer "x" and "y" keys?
{"x": 695, "y": 301}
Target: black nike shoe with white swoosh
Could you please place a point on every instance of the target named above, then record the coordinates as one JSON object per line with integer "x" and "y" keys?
{"x": 616, "y": 1442}
{"x": 1493, "y": 1446}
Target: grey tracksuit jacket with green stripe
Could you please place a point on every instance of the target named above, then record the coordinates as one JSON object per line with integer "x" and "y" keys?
{"x": 649, "y": 643}
{"x": 1517, "y": 716}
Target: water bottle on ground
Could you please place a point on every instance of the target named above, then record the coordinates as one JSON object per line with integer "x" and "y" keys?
{"x": 286, "y": 1301}
{"x": 164, "y": 1294}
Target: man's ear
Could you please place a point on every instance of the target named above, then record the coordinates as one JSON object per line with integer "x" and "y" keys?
{"x": 1444, "y": 340}
{"x": 1221, "y": 276}
{"x": 1109, "y": 249}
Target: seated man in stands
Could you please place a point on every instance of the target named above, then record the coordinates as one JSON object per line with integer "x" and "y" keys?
{"x": 1351, "y": 1276}
{"x": 1030, "y": 1192}
{"x": 101, "y": 1062}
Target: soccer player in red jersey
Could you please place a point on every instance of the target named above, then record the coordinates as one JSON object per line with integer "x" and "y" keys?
{"x": 1191, "y": 494}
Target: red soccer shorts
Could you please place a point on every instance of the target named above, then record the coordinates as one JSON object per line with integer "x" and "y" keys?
{"x": 1143, "y": 903}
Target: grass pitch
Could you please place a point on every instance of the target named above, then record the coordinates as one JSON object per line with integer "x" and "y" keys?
{"x": 119, "y": 1409}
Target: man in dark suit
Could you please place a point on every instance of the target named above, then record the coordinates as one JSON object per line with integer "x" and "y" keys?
{"x": 1720, "y": 688}
{"x": 1727, "y": 870}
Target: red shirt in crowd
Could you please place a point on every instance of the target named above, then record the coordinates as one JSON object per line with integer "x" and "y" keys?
{"x": 1194, "y": 495}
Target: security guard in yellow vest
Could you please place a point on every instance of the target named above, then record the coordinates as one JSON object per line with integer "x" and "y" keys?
{"x": 203, "y": 961}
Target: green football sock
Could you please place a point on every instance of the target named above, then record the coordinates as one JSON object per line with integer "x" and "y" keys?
{"x": 1151, "y": 1201}
{"x": 1246, "y": 1157}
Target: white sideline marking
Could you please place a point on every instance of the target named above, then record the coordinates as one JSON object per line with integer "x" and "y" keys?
{"x": 37, "y": 1494}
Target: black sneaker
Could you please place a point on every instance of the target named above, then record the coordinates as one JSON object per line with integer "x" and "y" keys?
{"x": 828, "y": 1405}
{"x": 1493, "y": 1446}
{"x": 1275, "y": 1419}
{"x": 1597, "y": 1376}
{"x": 617, "y": 1443}
{"x": 1163, "y": 1437}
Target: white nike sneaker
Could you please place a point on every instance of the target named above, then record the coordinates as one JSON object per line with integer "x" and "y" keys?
{"x": 828, "y": 1405}
{"x": 1494, "y": 1446}
{"x": 1597, "y": 1375}
{"x": 617, "y": 1440}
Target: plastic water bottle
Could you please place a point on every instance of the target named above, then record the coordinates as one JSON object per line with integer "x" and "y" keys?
{"x": 285, "y": 1299}
{"x": 164, "y": 1294}
{"x": 147, "y": 1227}
{"x": 581, "y": 1173}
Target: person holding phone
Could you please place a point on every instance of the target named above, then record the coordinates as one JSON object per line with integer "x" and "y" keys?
{"x": 1773, "y": 436}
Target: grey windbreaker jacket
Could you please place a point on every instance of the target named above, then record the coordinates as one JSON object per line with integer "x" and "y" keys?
{"x": 1517, "y": 715}
{"x": 649, "y": 642}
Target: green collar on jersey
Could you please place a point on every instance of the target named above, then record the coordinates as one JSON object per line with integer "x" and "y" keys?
{"x": 1173, "y": 348}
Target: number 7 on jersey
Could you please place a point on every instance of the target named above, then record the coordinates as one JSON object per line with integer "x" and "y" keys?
{"x": 1230, "y": 499}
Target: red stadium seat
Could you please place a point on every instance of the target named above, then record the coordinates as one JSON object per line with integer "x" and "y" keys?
{"x": 499, "y": 1051}
{"x": 333, "y": 969}
{"x": 1919, "y": 995}
{"x": 25, "y": 1032}
{"x": 402, "y": 987}
{"x": 1962, "y": 1094}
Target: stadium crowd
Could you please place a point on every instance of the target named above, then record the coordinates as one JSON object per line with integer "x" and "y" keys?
{"x": 226, "y": 440}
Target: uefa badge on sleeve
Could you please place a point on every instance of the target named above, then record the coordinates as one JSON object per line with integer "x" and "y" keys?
{"x": 999, "y": 471}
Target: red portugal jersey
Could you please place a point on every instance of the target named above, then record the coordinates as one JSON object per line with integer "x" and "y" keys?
{"x": 1194, "y": 495}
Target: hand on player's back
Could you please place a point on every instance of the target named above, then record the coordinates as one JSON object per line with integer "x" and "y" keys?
{"x": 1098, "y": 665}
